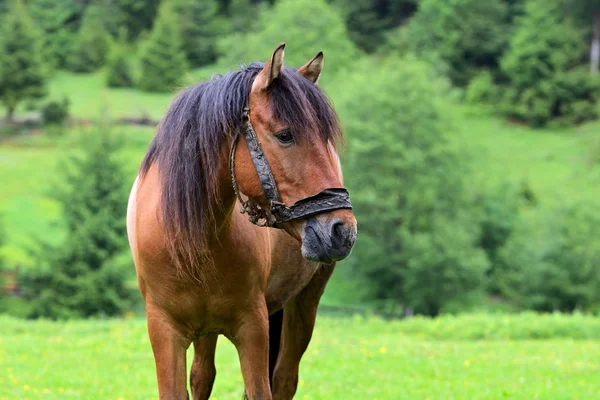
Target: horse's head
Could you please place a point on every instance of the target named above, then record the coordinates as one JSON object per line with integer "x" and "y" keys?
{"x": 297, "y": 129}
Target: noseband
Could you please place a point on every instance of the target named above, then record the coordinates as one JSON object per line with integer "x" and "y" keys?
{"x": 278, "y": 213}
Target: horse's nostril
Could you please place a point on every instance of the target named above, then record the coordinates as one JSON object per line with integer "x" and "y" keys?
{"x": 338, "y": 234}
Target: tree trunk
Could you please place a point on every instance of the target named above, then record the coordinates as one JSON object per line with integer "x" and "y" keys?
{"x": 10, "y": 114}
{"x": 595, "y": 51}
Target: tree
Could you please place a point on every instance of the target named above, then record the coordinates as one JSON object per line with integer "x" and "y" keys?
{"x": 418, "y": 237}
{"x": 56, "y": 20}
{"x": 552, "y": 263}
{"x": 544, "y": 69}
{"x": 93, "y": 42}
{"x": 588, "y": 13}
{"x": 137, "y": 15}
{"x": 369, "y": 20}
{"x": 199, "y": 27}
{"x": 307, "y": 26}
{"x": 86, "y": 274}
{"x": 118, "y": 68}
{"x": 163, "y": 61}
{"x": 467, "y": 35}
{"x": 22, "y": 74}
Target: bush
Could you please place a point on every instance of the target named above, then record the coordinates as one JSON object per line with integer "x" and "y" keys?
{"x": 482, "y": 90}
{"x": 552, "y": 263}
{"x": 86, "y": 274}
{"x": 543, "y": 65}
{"x": 418, "y": 238}
{"x": 55, "y": 112}
{"x": 163, "y": 61}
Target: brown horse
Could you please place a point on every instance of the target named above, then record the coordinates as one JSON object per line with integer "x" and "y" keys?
{"x": 202, "y": 267}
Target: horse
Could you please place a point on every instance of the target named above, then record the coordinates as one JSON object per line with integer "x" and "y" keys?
{"x": 239, "y": 237}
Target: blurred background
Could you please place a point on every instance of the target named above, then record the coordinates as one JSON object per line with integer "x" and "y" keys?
{"x": 472, "y": 156}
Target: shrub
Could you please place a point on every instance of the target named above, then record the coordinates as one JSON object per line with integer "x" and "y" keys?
{"x": 552, "y": 263}
{"x": 55, "y": 112}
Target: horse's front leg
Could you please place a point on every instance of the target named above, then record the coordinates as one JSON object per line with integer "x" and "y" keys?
{"x": 251, "y": 339}
{"x": 299, "y": 317}
{"x": 169, "y": 348}
{"x": 203, "y": 373}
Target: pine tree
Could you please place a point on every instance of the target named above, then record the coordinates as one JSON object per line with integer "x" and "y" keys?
{"x": 86, "y": 274}
{"x": 22, "y": 74}
{"x": 163, "y": 62}
{"x": 53, "y": 17}
{"x": 199, "y": 27}
{"x": 547, "y": 78}
{"x": 119, "y": 70}
{"x": 93, "y": 42}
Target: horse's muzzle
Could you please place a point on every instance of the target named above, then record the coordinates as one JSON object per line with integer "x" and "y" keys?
{"x": 327, "y": 241}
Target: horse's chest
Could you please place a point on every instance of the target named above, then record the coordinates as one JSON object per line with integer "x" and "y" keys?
{"x": 286, "y": 281}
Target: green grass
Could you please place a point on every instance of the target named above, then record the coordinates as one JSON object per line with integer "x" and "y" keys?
{"x": 349, "y": 358}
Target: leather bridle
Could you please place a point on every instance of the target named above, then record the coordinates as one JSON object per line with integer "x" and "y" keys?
{"x": 278, "y": 212}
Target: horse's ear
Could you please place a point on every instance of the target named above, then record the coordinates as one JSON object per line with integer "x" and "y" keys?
{"x": 312, "y": 69}
{"x": 272, "y": 68}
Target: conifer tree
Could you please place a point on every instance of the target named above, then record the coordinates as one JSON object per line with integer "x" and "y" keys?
{"x": 119, "y": 70}
{"x": 93, "y": 42}
{"x": 163, "y": 62}
{"x": 199, "y": 27}
{"x": 86, "y": 274}
{"x": 22, "y": 73}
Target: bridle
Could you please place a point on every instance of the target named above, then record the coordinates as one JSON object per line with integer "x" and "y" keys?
{"x": 278, "y": 213}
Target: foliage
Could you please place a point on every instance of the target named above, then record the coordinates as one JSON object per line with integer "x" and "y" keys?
{"x": 93, "y": 42}
{"x": 306, "y": 26}
{"x": 118, "y": 68}
{"x": 418, "y": 241}
{"x": 199, "y": 30}
{"x": 163, "y": 61}
{"x": 499, "y": 219}
{"x": 137, "y": 15}
{"x": 467, "y": 35}
{"x": 55, "y": 17}
{"x": 22, "y": 74}
{"x": 85, "y": 275}
{"x": 542, "y": 67}
{"x": 56, "y": 112}
{"x": 482, "y": 90}
{"x": 554, "y": 264}
{"x": 368, "y": 21}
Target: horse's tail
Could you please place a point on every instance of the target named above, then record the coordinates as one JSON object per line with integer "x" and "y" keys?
{"x": 275, "y": 328}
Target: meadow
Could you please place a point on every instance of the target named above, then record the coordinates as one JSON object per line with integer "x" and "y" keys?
{"x": 549, "y": 357}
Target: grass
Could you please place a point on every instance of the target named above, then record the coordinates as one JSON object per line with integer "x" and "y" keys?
{"x": 349, "y": 358}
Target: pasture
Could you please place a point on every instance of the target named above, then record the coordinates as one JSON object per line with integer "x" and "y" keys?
{"x": 468, "y": 357}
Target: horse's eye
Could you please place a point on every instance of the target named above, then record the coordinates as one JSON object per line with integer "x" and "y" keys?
{"x": 285, "y": 136}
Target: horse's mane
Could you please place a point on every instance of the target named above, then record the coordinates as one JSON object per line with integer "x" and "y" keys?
{"x": 190, "y": 147}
